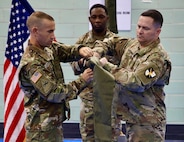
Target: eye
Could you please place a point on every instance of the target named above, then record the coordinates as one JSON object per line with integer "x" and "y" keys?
{"x": 93, "y": 17}
{"x": 143, "y": 28}
{"x": 101, "y": 16}
{"x": 50, "y": 31}
{"x": 146, "y": 28}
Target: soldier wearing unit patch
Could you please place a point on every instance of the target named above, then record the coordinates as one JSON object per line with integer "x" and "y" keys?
{"x": 41, "y": 79}
{"x": 140, "y": 78}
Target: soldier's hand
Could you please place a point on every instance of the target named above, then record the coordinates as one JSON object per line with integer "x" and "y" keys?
{"x": 86, "y": 52}
{"x": 103, "y": 61}
{"x": 96, "y": 54}
{"x": 87, "y": 75}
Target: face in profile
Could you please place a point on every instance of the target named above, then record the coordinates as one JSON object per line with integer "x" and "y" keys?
{"x": 45, "y": 33}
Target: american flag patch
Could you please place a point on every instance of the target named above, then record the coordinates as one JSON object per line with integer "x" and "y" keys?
{"x": 36, "y": 76}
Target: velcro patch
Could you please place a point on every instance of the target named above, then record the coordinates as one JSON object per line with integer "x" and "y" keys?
{"x": 36, "y": 76}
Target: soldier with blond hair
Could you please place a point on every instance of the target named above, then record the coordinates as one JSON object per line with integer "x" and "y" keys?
{"x": 42, "y": 81}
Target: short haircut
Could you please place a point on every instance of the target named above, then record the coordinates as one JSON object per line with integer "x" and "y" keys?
{"x": 156, "y": 15}
{"x": 37, "y": 17}
{"x": 98, "y": 6}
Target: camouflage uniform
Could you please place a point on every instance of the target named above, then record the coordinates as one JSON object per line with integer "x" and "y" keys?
{"x": 86, "y": 113}
{"x": 140, "y": 80}
{"x": 41, "y": 79}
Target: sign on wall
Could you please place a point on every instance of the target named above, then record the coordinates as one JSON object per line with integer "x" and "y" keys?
{"x": 123, "y": 11}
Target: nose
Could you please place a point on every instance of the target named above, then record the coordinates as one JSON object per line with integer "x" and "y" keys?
{"x": 140, "y": 30}
{"x": 97, "y": 19}
{"x": 53, "y": 37}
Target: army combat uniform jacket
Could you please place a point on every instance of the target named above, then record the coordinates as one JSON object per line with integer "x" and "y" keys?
{"x": 41, "y": 79}
{"x": 140, "y": 79}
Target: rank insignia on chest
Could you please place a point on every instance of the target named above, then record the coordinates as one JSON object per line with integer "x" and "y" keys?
{"x": 150, "y": 73}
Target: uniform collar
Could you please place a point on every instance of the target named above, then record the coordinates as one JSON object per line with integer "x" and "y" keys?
{"x": 47, "y": 53}
{"x": 141, "y": 51}
{"x": 92, "y": 37}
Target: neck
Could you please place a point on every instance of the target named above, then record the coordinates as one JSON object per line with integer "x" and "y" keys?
{"x": 33, "y": 42}
{"x": 99, "y": 33}
{"x": 145, "y": 44}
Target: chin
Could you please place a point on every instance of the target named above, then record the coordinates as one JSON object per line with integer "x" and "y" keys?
{"x": 140, "y": 39}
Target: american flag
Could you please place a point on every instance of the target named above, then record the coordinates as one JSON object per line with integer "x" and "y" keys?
{"x": 14, "y": 115}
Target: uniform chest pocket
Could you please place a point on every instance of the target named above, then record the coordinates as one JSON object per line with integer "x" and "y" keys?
{"x": 48, "y": 66}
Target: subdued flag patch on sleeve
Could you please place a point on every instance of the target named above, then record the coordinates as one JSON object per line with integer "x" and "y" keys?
{"x": 36, "y": 76}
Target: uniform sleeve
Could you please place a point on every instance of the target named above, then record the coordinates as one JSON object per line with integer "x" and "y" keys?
{"x": 80, "y": 65}
{"x": 48, "y": 86}
{"x": 113, "y": 46}
{"x": 110, "y": 67}
{"x": 145, "y": 75}
{"x": 103, "y": 47}
{"x": 67, "y": 53}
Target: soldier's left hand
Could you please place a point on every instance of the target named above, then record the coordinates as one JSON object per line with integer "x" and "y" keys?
{"x": 86, "y": 52}
{"x": 87, "y": 75}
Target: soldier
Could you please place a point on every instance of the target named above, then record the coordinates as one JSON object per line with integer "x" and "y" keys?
{"x": 41, "y": 79}
{"x": 140, "y": 78}
{"x": 98, "y": 19}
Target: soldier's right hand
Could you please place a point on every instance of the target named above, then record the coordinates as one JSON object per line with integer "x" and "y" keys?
{"x": 96, "y": 54}
{"x": 87, "y": 75}
{"x": 103, "y": 61}
{"x": 86, "y": 52}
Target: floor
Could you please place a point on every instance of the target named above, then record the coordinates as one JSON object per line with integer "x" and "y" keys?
{"x": 79, "y": 140}
{"x": 174, "y": 141}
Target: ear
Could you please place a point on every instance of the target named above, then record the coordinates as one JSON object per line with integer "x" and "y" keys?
{"x": 158, "y": 31}
{"x": 89, "y": 18}
{"x": 34, "y": 29}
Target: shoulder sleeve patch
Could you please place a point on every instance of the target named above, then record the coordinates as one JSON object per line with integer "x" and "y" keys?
{"x": 36, "y": 76}
{"x": 147, "y": 73}
{"x": 150, "y": 73}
